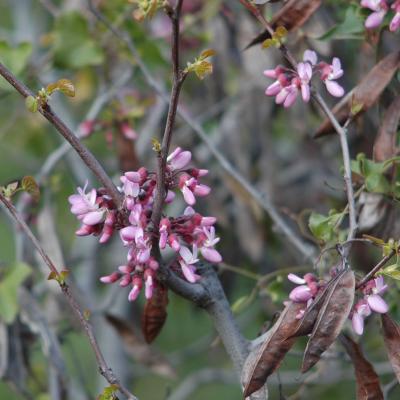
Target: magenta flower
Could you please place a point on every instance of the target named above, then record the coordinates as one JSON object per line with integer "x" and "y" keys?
{"x": 190, "y": 188}
{"x": 372, "y": 301}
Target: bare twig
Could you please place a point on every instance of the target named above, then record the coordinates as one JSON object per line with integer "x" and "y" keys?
{"x": 104, "y": 369}
{"x": 178, "y": 79}
{"x": 62, "y": 128}
{"x": 374, "y": 270}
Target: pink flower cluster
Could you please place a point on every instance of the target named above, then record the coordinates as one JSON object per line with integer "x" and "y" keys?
{"x": 372, "y": 301}
{"x": 380, "y": 8}
{"x": 187, "y": 235}
{"x": 308, "y": 288}
{"x": 289, "y": 83}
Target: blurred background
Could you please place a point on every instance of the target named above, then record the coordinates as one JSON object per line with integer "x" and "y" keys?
{"x": 43, "y": 353}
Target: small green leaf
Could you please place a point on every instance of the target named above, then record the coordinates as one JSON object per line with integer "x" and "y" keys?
{"x": 108, "y": 393}
{"x": 52, "y": 276}
{"x": 10, "y": 189}
{"x": 31, "y": 104}
{"x": 9, "y": 284}
{"x": 30, "y": 186}
{"x": 65, "y": 86}
{"x": 377, "y": 183}
{"x": 322, "y": 226}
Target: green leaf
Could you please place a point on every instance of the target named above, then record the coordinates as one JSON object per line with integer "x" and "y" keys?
{"x": 73, "y": 46}
{"x": 392, "y": 271}
{"x": 108, "y": 393}
{"x": 31, "y": 104}
{"x": 352, "y": 27}
{"x": 322, "y": 226}
{"x": 14, "y": 58}
{"x": 9, "y": 284}
{"x": 377, "y": 183}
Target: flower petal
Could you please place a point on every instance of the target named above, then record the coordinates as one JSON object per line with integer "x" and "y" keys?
{"x": 377, "y": 304}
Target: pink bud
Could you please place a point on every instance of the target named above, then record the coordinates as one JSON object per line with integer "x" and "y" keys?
{"x": 377, "y": 304}
{"x": 300, "y": 294}
{"x": 211, "y": 254}
{"x": 110, "y": 278}
{"x": 296, "y": 279}
{"x": 358, "y": 323}
{"x": 202, "y": 190}
{"x": 125, "y": 281}
{"x": 93, "y": 217}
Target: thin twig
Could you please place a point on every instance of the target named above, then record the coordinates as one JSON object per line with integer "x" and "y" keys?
{"x": 104, "y": 369}
{"x": 374, "y": 270}
{"x": 85, "y": 154}
{"x": 342, "y": 131}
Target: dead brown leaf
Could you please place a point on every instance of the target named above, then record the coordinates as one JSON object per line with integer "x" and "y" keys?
{"x": 331, "y": 318}
{"x": 368, "y": 387}
{"x": 391, "y": 335}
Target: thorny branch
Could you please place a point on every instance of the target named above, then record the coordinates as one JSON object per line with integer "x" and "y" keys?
{"x": 104, "y": 369}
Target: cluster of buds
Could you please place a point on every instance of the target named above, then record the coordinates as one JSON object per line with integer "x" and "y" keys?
{"x": 308, "y": 289}
{"x": 379, "y": 10}
{"x": 187, "y": 235}
{"x": 288, "y": 83}
{"x": 372, "y": 301}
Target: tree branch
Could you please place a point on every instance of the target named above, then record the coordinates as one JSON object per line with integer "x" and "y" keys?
{"x": 104, "y": 369}
{"x": 374, "y": 270}
{"x": 262, "y": 199}
{"x": 342, "y": 132}
{"x": 85, "y": 154}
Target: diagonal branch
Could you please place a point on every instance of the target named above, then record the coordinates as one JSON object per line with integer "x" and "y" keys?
{"x": 85, "y": 154}
{"x": 104, "y": 369}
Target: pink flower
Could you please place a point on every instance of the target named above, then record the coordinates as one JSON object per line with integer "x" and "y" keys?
{"x": 179, "y": 159}
{"x": 362, "y": 310}
{"x": 190, "y": 188}
{"x": 187, "y": 261}
{"x": 329, "y": 73}
{"x": 395, "y": 22}
{"x": 130, "y": 181}
{"x": 207, "y": 248}
{"x": 149, "y": 283}
{"x": 305, "y": 72}
{"x": 372, "y": 301}
{"x": 379, "y": 8}
{"x": 85, "y": 207}
{"x": 307, "y": 289}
